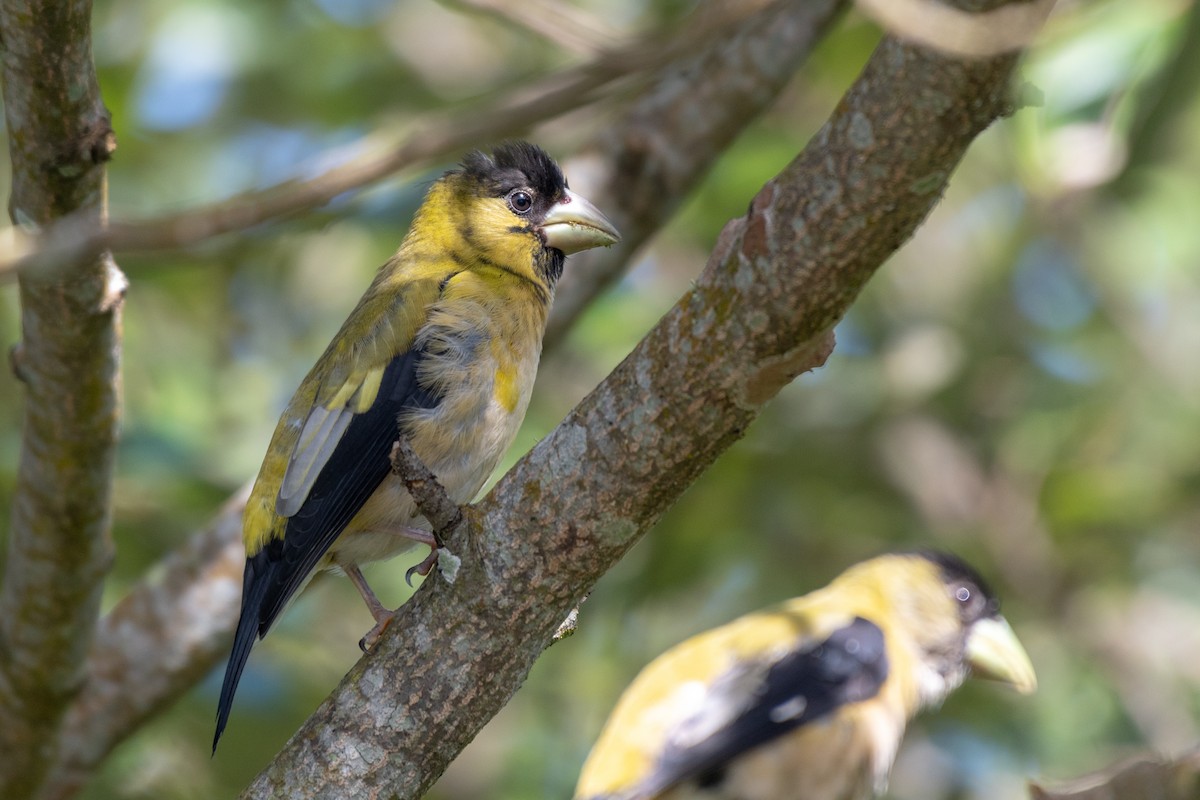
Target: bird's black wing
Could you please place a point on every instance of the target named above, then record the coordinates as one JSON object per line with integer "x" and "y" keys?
{"x": 353, "y": 472}
{"x": 848, "y": 667}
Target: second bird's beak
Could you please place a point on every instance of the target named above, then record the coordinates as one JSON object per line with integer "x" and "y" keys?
{"x": 994, "y": 653}
{"x": 574, "y": 224}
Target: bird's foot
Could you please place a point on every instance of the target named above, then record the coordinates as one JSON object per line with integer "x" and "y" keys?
{"x": 425, "y": 567}
{"x": 382, "y": 621}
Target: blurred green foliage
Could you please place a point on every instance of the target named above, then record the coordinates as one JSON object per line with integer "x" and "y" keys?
{"x": 1021, "y": 384}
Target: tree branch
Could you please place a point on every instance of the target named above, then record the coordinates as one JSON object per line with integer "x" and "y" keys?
{"x": 154, "y": 645}
{"x": 988, "y": 28}
{"x": 642, "y": 168}
{"x": 778, "y": 281}
{"x": 443, "y": 514}
{"x": 59, "y": 548}
{"x": 1140, "y": 778}
{"x": 717, "y": 92}
{"x": 565, "y": 26}
{"x": 79, "y": 238}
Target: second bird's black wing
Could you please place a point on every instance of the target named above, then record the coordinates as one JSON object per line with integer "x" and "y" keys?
{"x": 848, "y": 667}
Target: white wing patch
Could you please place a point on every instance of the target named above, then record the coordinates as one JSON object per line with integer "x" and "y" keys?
{"x": 322, "y": 431}
{"x": 712, "y": 708}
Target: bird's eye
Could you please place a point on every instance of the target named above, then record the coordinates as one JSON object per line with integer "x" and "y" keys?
{"x": 972, "y": 602}
{"x": 520, "y": 201}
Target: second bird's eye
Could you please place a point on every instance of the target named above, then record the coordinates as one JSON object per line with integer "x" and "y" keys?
{"x": 971, "y": 601}
{"x": 520, "y": 201}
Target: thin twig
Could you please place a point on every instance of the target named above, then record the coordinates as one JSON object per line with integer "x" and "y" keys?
{"x": 443, "y": 514}
{"x": 566, "y": 26}
{"x": 75, "y": 239}
{"x": 1138, "y": 778}
{"x": 981, "y": 33}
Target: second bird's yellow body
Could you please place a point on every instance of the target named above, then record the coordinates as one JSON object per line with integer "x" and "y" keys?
{"x": 807, "y": 700}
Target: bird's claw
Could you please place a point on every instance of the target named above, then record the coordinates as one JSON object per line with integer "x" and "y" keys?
{"x": 424, "y": 568}
{"x": 373, "y": 636}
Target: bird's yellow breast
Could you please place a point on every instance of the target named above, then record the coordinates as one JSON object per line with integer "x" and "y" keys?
{"x": 482, "y": 346}
{"x": 473, "y": 303}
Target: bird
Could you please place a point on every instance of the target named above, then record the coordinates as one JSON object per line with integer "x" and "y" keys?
{"x": 442, "y": 349}
{"x": 809, "y": 699}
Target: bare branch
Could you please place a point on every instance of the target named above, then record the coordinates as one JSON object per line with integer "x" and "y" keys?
{"x": 978, "y": 33}
{"x": 1140, "y": 778}
{"x": 569, "y": 27}
{"x": 155, "y": 645}
{"x": 59, "y": 549}
{"x": 78, "y": 238}
{"x": 443, "y": 514}
{"x": 778, "y": 281}
{"x": 643, "y": 167}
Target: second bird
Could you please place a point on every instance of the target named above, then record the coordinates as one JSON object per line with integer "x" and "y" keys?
{"x": 443, "y": 348}
{"x": 807, "y": 700}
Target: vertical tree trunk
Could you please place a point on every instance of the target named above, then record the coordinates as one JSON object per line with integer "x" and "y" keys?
{"x": 58, "y": 548}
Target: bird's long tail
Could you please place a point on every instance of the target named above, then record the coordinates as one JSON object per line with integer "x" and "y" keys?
{"x": 254, "y": 590}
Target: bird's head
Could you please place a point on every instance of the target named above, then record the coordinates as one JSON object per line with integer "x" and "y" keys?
{"x": 949, "y": 616}
{"x": 513, "y": 208}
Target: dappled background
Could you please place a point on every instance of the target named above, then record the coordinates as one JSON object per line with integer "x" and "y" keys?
{"x": 1020, "y": 385}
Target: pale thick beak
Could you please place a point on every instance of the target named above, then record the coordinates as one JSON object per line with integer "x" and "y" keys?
{"x": 574, "y": 224}
{"x": 995, "y": 654}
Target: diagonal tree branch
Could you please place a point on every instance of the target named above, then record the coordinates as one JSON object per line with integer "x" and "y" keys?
{"x": 646, "y": 165}
{"x": 59, "y": 549}
{"x": 1144, "y": 777}
{"x": 778, "y": 281}
{"x": 157, "y": 643}
{"x": 136, "y": 667}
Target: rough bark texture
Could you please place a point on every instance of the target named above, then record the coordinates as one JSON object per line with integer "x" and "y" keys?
{"x": 139, "y": 663}
{"x": 153, "y": 646}
{"x": 778, "y": 281}
{"x": 58, "y": 546}
{"x": 642, "y": 169}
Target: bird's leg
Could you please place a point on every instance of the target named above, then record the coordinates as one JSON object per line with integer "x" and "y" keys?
{"x": 377, "y": 609}
{"x": 382, "y": 614}
{"x": 425, "y": 566}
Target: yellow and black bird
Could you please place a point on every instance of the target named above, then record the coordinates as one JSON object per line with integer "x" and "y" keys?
{"x": 807, "y": 700}
{"x": 442, "y": 349}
